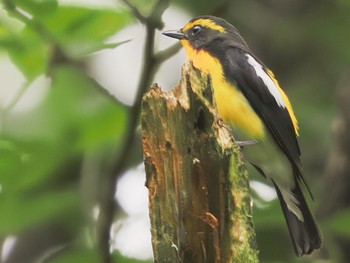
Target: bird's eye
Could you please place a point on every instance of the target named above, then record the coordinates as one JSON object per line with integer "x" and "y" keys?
{"x": 196, "y": 30}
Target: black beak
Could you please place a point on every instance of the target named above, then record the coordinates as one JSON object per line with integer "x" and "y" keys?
{"x": 175, "y": 34}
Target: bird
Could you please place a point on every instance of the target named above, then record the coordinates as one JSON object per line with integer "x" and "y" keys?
{"x": 249, "y": 97}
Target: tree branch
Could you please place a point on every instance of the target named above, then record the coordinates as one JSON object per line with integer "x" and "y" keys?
{"x": 150, "y": 65}
{"x": 136, "y": 12}
{"x": 13, "y": 102}
{"x": 163, "y": 55}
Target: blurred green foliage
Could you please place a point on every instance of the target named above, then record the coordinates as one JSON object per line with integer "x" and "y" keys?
{"x": 306, "y": 43}
{"x": 41, "y": 151}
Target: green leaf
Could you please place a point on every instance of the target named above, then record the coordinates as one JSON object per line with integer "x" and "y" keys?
{"x": 10, "y": 29}
{"x": 30, "y": 54}
{"x": 7, "y": 38}
{"x": 81, "y": 29}
{"x": 94, "y": 116}
{"x": 103, "y": 46}
{"x": 24, "y": 46}
{"x": 37, "y": 7}
{"x": 10, "y": 155}
{"x": 11, "y": 160}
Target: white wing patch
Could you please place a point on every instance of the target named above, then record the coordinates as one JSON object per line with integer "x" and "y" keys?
{"x": 260, "y": 72}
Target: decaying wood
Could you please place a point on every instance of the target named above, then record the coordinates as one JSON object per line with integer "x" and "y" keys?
{"x": 200, "y": 207}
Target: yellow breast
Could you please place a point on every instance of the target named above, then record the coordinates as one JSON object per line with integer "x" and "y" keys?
{"x": 231, "y": 103}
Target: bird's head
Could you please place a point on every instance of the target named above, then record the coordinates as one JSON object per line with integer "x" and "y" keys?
{"x": 202, "y": 31}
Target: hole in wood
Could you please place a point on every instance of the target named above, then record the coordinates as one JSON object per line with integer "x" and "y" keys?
{"x": 200, "y": 123}
{"x": 168, "y": 145}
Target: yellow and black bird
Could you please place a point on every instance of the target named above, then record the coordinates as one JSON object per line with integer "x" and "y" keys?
{"x": 249, "y": 97}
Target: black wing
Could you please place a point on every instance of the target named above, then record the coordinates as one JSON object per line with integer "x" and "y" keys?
{"x": 276, "y": 118}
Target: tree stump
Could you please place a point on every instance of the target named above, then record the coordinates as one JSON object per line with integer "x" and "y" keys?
{"x": 199, "y": 201}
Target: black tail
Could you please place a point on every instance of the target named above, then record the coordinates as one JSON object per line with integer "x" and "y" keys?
{"x": 305, "y": 234}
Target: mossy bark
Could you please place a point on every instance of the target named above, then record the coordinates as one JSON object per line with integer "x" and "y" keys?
{"x": 200, "y": 206}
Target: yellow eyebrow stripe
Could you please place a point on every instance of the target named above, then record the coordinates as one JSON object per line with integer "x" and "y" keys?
{"x": 205, "y": 23}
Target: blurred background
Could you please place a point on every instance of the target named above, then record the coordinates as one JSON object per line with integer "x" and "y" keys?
{"x": 70, "y": 87}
